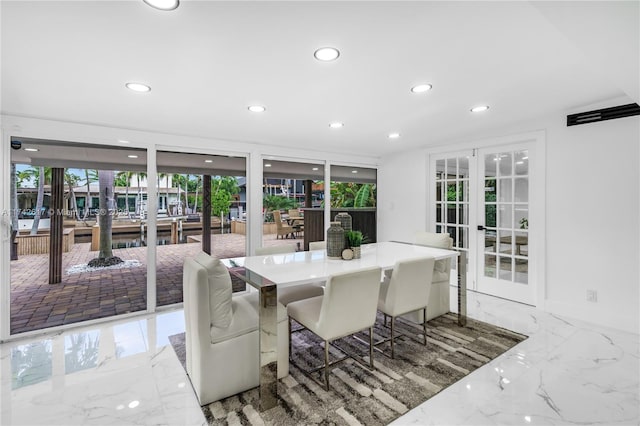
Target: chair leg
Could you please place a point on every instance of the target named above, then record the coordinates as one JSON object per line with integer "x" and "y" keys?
{"x": 424, "y": 325}
{"x": 290, "y": 338}
{"x": 393, "y": 322}
{"x": 371, "y": 346}
{"x": 326, "y": 364}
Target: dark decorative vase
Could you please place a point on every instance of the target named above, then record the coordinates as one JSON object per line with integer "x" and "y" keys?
{"x": 335, "y": 241}
{"x": 346, "y": 223}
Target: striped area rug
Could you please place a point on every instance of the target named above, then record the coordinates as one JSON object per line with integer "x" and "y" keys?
{"x": 358, "y": 395}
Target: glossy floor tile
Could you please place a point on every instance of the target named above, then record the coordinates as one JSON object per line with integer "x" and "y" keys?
{"x": 126, "y": 373}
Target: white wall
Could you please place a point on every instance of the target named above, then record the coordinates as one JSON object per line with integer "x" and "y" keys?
{"x": 592, "y": 215}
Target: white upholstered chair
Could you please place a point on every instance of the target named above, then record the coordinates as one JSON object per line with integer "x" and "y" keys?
{"x": 290, "y": 294}
{"x": 317, "y": 245}
{"x": 347, "y": 307}
{"x": 439, "y": 298}
{"x": 279, "y": 249}
{"x": 222, "y": 354}
{"x": 406, "y": 290}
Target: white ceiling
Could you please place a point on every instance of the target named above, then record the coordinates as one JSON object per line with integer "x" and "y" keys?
{"x": 208, "y": 60}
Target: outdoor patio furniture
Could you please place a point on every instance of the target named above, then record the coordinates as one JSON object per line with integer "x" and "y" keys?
{"x": 282, "y": 229}
{"x": 222, "y": 340}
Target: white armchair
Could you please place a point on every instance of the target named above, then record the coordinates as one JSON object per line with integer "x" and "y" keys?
{"x": 222, "y": 354}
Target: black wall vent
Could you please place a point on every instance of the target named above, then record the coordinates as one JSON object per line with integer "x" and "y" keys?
{"x": 603, "y": 114}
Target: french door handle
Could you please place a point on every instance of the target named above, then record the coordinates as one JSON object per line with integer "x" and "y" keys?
{"x": 481, "y": 228}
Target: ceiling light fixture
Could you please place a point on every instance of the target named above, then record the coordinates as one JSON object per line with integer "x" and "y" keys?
{"x": 163, "y": 4}
{"x": 256, "y": 108}
{"x": 208, "y": 161}
{"x": 122, "y": 141}
{"x": 326, "y": 54}
{"x": 336, "y": 125}
{"x": 421, "y": 88}
{"x": 480, "y": 108}
{"x": 267, "y": 165}
{"x": 315, "y": 169}
{"x": 132, "y": 156}
{"x": 354, "y": 171}
{"x": 138, "y": 87}
{"x": 32, "y": 149}
{"x": 394, "y": 135}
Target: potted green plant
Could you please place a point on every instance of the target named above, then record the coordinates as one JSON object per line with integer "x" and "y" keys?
{"x": 355, "y": 241}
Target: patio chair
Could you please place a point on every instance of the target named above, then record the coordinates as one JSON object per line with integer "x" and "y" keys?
{"x": 282, "y": 229}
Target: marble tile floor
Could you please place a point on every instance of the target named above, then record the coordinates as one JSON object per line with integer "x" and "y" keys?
{"x": 125, "y": 373}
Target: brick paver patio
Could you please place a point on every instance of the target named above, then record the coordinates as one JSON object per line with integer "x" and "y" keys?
{"x": 35, "y": 304}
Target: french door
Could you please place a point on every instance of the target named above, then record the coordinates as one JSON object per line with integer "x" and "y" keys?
{"x": 503, "y": 243}
{"x": 482, "y": 199}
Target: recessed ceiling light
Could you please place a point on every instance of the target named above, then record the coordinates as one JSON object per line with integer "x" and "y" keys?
{"x": 163, "y": 4}
{"x": 256, "y": 108}
{"x": 519, "y": 162}
{"x": 132, "y": 156}
{"x": 267, "y": 165}
{"x": 122, "y": 141}
{"x": 32, "y": 149}
{"x": 394, "y": 135}
{"x": 326, "y": 54}
{"x": 315, "y": 169}
{"x": 208, "y": 161}
{"x": 525, "y": 158}
{"x": 336, "y": 125}
{"x": 138, "y": 87}
{"x": 421, "y": 88}
{"x": 480, "y": 108}
{"x": 354, "y": 171}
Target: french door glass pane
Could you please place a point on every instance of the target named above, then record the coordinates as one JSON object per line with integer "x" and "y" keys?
{"x": 504, "y": 190}
{"x": 440, "y": 172}
{"x": 490, "y": 265}
{"x": 504, "y": 215}
{"x": 522, "y": 165}
{"x": 521, "y": 190}
{"x": 505, "y": 268}
{"x": 505, "y": 163}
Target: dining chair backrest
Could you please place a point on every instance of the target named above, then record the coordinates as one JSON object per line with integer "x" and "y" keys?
{"x": 280, "y": 249}
{"x": 350, "y": 302}
{"x": 294, "y": 213}
{"x": 439, "y": 240}
{"x": 409, "y": 286}
{"x": 317, "y": 245}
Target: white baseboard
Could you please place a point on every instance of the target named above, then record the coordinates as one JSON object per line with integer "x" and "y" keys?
{"x": 612, "y": 319}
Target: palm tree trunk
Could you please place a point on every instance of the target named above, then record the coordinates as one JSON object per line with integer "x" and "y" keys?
{"x": 87, "y": 202}
{"x": 105, "y": 180}
{"x": 167, "y": 194}
{"x": 39, "y": 201}
{"x": 14, "y": 198}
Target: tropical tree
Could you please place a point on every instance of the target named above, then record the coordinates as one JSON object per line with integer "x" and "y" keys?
{"x": 105, "y": 218}
{"x": 276, "y": 202}
{"x": 140, "y": 175}
{"x": 72, "y": 180}
{"x": 40, "y": 177}
{"x": 123, "y": 178}
{"x": 350, "y": 194}
{"x": 14, "y": 197}
{"x": 89, "y": 176}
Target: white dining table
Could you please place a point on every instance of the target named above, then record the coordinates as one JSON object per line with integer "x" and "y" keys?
{"x": 269, "y": 272}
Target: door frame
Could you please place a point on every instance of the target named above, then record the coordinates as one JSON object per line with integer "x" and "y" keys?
{"x": 537, "y": 197}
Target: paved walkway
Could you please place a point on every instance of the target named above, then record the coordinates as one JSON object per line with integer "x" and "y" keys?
{"x": 35, "y": 304}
